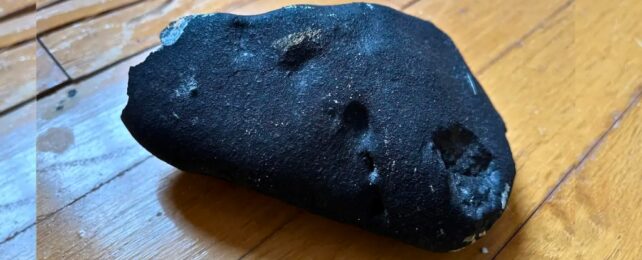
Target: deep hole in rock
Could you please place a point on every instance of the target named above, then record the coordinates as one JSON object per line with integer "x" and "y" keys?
{"x": 369, "y": 161}
{"x": 193, "y": 92}
{"x": 355, "y": 117}
{"x": 461, "y": 151}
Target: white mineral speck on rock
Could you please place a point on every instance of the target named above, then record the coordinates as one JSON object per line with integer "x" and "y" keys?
{"x": 373, "y": 177}
{"x": 188, "y": 85}
{"x": 470, "y": 239}
{"x": 174, "y": 31}
{"x": 505, "y": 195}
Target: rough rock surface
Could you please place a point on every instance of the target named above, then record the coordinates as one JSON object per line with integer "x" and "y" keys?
{"x": 356, "y": 112}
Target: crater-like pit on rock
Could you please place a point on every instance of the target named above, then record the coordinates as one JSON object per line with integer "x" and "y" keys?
{"x": 461, "y": 151}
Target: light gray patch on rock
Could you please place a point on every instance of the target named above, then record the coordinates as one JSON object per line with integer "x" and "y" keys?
{"x": 170, "y": 35}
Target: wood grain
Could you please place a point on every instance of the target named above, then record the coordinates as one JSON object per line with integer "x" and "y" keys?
{"x": 8, "y": 7}
{"x": 18, "y": 73}
{"x": 484, "y": 30}
{"x": 48, "y": 73}
{"x": 17, "y": 29}
{"x": 557, "y": 73}
{"x": 596, "y": 213}
{"x": 45, "y": 3}
{"x": 22, "y": 247}
{"x": 81, "y": 140}
{"x": 156, "y": 212}
{"x": 90, "y": 45}
{"x": 608, "y": 56}
{"x": 17, "y": 173}
{"x": 548, "y": 103}
{"x": 74, "y": 10}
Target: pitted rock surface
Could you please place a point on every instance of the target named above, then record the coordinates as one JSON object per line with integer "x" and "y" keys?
{"x": 356, "y": 112}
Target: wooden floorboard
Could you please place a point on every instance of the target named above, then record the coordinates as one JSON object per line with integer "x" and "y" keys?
{"x": 81, "y": 140}
{"x": 187, "y": 215}
{"x": 9, "y": 7}
{"x": 90, "y": 45}
{"x": 484, "y": 30}
{"x": 559, "y": 72}
{"x": 22, "y": 246}
{"x": 596, "y": 212}
{"x": 18, "y": 72}
{"x": 18, "y": 29}
{"x": 45, "y": 3}
{"x": 73, "y": 10}
{"x": 48, "y": 73}
{"x": 17, "y": 174}
{"x": 593, "y": 215}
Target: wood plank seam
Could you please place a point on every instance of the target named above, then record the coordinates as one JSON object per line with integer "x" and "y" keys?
{"x": 81, "y": 78}
{"x": 276, "y": 230}
{"x": 503, "y": 53}
{"x": 94, "y": 189}
{"x": 17, "y": 13}
{"x": 20, "y": 104}
{"x": 49, "y": 5}
{"x": 54, "y": 59}
{"x": 72, "y": 81}
{"x": 542, "y": 24}
{"x": 28, "y": 100}
{"x": 97, "y": 15}
{"x": 577, "y": 167}
{"x": 409, "y": 4}
{"x": 19, "y": 42}
{"x": 16, "y": 106}
{"x": 17, "y": 233}
{"x": 45, "y": 217}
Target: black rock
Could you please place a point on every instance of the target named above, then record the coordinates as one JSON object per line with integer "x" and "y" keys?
{"x": 356, "y": 112}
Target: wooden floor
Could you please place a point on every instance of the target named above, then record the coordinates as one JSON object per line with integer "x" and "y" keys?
{"x": 566, "y": 75}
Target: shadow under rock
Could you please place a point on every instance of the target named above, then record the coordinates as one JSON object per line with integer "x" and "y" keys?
{"x": 225, "y": 215}
{"x": 226, "y": 219}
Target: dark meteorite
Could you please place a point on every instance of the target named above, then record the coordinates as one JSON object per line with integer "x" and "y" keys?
{"x": 356, "y": 112}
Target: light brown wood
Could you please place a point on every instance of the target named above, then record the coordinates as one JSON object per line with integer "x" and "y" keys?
{"x": 18, "y": 73}
{"x": 73, "y": 10}
{"x": 156, "y": 212}
{"x": 45, "y": 3}
{"x": 48, "y": 73}
{"x": 558, "y": 72}
{"x": 596, "y": 213}
{"x": 17, "y": 179}
{"x": 18, "y": 29}
{"x": 528, "y": 79}
{"x": 81, "y": 140}
{"x": 485, "y": 30}
{"x": 8, "y": 7}
{"x": 23, "y": 246}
